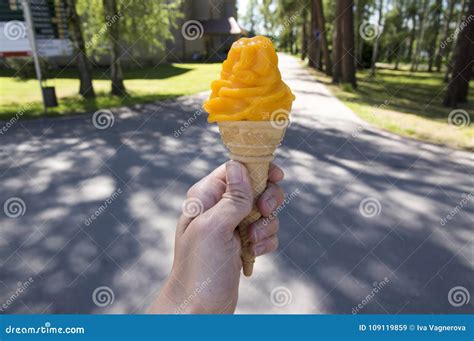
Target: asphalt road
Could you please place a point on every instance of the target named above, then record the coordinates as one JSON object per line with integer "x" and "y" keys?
{"x": 366, "y": 230}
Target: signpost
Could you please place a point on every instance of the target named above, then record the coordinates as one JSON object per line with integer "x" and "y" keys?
{"x": 36, "y": 28}
{"x": 31, "y": 37}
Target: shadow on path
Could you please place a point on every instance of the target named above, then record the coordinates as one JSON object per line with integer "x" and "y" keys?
{"x": 332, "y": 250}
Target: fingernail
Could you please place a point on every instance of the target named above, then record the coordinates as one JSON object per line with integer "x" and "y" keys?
{"x": 259, "y": 249}
{"x": 271, "y": 203}
{"x": 234, "y": 173}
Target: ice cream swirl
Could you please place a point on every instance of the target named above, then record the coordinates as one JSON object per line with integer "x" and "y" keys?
{"x": 250, "y": 87}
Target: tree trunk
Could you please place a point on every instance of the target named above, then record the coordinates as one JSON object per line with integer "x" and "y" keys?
{"x": 337, "y": 43}
{"x": 86, "y": 88}
{"x": 442, "y": 45}
{"x": 401, "y": 46}
{"x": 348, "y": 74}
{"x": 321, "y": 22}
{"x": 412, "y": 37}
{"x": 313, "y": 39}
{"x": 360, "y": 6}
{"x": 116, "y": 74}
{"x": 304, "y": 35}
{"x": 449, "y": 59}
{"x": 462, "y": 70}
{"x": 419, "y": 44}
{"x": 436, "y": 27}
{"x": 375, "y": 49}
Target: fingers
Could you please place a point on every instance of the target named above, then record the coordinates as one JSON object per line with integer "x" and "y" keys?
{"x": 236, "y": 202}
{"x": 229, "y": 190}
{"x": 262, "y": 229}
{"x": 270, "y": 199}
{"x": 265, "y": 246}
{"x": 275, "y": 173}
{"x": 263, "y": 236}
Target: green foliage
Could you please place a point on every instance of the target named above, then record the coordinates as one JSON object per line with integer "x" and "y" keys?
{"x": 145, "y": 26}
{"x": 249, "y": 20}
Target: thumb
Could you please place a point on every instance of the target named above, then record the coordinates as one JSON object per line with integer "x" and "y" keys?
{"x": 237, "y": 201}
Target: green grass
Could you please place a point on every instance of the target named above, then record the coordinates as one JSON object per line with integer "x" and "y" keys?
{"x": 143, "y": 85}
{"x": 406, "y": 103}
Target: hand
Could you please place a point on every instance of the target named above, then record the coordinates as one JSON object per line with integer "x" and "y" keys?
{"x": 206, "y": 268}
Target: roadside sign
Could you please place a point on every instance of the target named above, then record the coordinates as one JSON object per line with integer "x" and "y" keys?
{"x": 50, "y": 28}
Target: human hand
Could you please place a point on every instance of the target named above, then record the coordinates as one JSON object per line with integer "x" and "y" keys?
{"x": 207, "y": 260}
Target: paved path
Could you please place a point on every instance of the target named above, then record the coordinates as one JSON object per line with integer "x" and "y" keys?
{"x": 331, "y": 258}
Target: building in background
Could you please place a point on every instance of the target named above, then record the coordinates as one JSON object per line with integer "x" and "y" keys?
{"x": 206, "y": 31}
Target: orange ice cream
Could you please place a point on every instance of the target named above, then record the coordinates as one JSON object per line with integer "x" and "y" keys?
{"x": 250, "y": 88}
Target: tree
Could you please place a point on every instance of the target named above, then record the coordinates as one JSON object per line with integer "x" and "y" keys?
{"x": 412, "y": 13}
{"x": 116, "y": 74}
{"x": 321, "y": 23}
{"x": 267, "y": 15}
{"x": 462, "y": 70}
{"x": 347, "y": 34}
{"x": 337, "y": 43}
{"x": 442, "y": 46}
{"x": 86, "y": 88}
{"x": 449, "y": 61}
{"x": 434, "y": 33}
{"x": 395, "y": 32}
{"x": 249, "y": 19}
{"x": 377, "y": 40}
{"x": 143, "y": 27}
{"x": 314, "y": 46}
{"x": 419, "y": 44}
{"x": 359, "y": 18}
{"x": 304, "y": 35}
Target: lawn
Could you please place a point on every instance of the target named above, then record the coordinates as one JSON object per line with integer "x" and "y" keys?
{"x": 143, "y": 85}
{"x": 406, "y": 103}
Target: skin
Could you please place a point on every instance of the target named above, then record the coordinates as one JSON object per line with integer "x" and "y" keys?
{"x": 206, "y": 269}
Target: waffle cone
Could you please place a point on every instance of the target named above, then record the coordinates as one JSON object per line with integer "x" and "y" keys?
{"x": 253, "y": 144}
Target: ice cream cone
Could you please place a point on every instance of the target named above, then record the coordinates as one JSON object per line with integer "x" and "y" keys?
{"x": 252, "y": 143}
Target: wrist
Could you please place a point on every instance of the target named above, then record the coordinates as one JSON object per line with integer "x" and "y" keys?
{"x": 172, "y": 299}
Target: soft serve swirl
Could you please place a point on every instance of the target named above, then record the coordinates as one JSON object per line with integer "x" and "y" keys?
{"x": 250, "y": 88}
